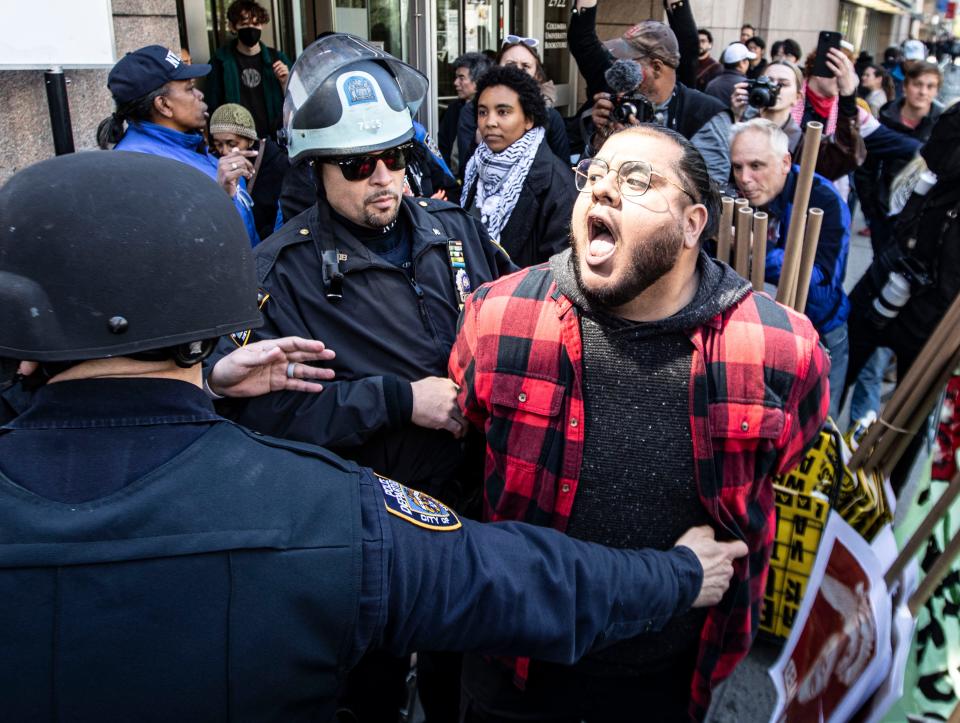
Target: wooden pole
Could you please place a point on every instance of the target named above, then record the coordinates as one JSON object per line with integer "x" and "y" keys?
{"x": 811, "y": 239}
{"x": 919, "y": 538}
{"x": 888, "y": 453}
{"x": 938, "y": 571}
{"x": 937, "y": 357}
{"x": 759, "y": 266}
{"x": 787, "y": 287}
{"x": 927, "y": 366}
{"x": 955, "y": 716}
{"x": 725, "y": 235}
{"x": 744, "y": 219}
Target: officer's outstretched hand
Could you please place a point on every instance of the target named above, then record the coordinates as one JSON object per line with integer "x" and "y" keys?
{"x": 271, "y": 365}
{"x": 716, "y": 559}
{"x": 435, "y": 406}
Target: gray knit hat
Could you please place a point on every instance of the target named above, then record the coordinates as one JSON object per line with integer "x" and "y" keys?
{"x": 233, "y": 118}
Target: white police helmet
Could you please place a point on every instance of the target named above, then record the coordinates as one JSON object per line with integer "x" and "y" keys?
{"x": 346, "y": 97}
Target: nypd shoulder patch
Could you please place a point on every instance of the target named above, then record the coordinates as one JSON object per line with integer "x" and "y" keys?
{"x": 417, "y": 507}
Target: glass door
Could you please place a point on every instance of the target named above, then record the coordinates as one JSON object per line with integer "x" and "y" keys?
{"x": 381, "y": 22}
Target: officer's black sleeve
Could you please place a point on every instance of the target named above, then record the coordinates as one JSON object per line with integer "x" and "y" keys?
{"x": 344, "y": 414}
{"x": 511, "y": 588}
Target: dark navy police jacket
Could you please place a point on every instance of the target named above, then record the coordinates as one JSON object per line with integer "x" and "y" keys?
{"x": 389, "y": 330}
{"x": 159, "y": 563}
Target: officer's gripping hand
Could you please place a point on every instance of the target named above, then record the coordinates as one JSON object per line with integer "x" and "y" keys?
{"x": 435, "y": 406}
{"x": 271, "y": 365}
{"x": 716, "y": 559}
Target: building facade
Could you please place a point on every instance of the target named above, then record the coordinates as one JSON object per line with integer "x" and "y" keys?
{"x": 426, "y": 33}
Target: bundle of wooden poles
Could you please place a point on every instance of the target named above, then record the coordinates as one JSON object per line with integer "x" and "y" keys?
{"x": 745, "y": 231}
{"x": 887, "y": 439}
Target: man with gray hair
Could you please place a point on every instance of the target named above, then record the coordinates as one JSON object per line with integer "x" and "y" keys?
{"x": 767, "y": 178}
{"x": 458, "y": 127}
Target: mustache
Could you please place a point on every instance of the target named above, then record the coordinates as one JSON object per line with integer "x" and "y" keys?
{"x": 378, "y": 195}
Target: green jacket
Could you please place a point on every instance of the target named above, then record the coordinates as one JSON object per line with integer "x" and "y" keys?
{"x": 223, "y": 83}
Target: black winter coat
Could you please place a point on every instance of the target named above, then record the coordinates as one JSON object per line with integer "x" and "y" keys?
{"x": 388, "y": 330}
{"x": 938, "y": 247}
{"x": 539, "y": 226}
{"x": 874, "y": 178}
{"x": 266, "y": 188}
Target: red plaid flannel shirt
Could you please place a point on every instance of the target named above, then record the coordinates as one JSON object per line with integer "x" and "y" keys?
{"x": 758, "y": 396}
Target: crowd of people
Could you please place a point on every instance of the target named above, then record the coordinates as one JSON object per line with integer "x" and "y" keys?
{"x": 312, "y": 389}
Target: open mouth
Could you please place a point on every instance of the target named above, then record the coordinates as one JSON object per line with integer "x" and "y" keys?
{"x": 601, "y": 243}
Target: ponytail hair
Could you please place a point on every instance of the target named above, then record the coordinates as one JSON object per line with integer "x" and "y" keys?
{"x": 112, "y": 128}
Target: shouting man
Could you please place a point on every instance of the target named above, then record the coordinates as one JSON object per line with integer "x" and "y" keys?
{"x": 628, "y": 389}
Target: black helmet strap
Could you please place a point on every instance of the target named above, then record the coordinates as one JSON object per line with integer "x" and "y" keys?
{"x": 184, "y": 355}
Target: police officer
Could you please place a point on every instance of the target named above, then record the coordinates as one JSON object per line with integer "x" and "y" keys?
{"x": 380, "y": 277}
{"x": 377, "y": 275}
{"x": 158, "y": 562}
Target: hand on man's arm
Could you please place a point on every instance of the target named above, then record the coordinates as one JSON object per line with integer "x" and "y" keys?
{"x": 716, "y": 559}
{"x": 435, "y": 405}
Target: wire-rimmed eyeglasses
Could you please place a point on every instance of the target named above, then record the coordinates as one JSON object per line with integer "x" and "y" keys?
{"x": 633, "y": 177}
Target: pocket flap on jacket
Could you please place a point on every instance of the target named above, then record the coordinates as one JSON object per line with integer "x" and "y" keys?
{"x": 745, "y": 420}
{"x": 527, "y": 394}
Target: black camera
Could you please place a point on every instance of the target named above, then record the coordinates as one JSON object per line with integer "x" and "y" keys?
{"x": 631, "y": 104}
{"x": 762, "y": 92}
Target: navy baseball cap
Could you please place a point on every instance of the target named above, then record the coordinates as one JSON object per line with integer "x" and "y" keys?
{"x": 143, "y": 71}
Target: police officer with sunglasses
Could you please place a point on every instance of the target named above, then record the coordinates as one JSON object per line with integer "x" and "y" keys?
{"x": 380, "y": 277}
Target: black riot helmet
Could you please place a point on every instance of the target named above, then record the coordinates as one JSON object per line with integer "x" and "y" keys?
{"x": 346, "y": 97}
{"x": 114, "y": 254}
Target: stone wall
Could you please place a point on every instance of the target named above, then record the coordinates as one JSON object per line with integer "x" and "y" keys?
{"x": 25, "y": 134}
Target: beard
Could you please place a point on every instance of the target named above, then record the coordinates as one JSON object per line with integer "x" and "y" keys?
{"x": 374, "y": 218}
{"x": 647, "y": 263}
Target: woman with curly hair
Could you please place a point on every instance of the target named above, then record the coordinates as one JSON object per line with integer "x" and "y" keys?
{"x": 521, "y": 192}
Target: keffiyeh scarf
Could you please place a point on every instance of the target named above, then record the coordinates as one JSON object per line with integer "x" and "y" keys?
{"x": 499, "y": 179}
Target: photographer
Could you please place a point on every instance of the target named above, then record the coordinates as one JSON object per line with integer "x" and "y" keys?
{"x": 656, "y": 51}
{"x": 839, "y": 153}
{"x": 736, "y": 62}
{"x": 927, "y": 233}
{"x": 770, "y": 98}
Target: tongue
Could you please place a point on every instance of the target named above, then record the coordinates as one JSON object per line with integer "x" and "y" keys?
{"x": 601, "y": 247}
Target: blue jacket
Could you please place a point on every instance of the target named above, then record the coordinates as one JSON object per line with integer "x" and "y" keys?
{"x": 827, "y": 303}
{"x": 158, "y": 563}
{"x": 157, "y": 140}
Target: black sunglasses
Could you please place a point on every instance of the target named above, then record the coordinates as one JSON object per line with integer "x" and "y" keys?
{"x": 360, "y": 168}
